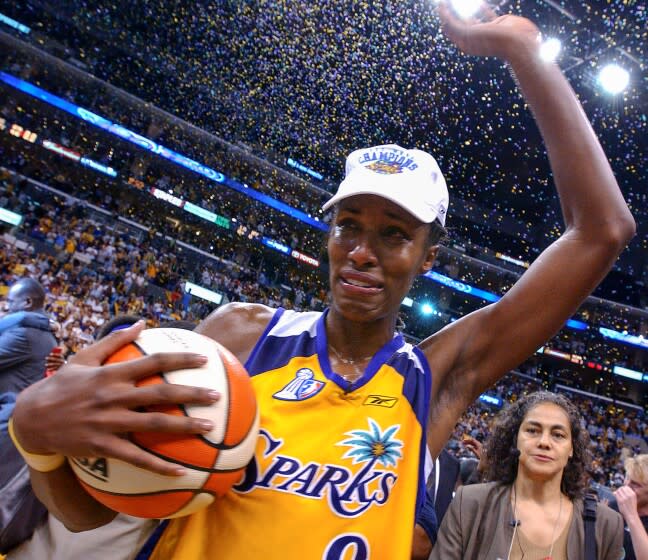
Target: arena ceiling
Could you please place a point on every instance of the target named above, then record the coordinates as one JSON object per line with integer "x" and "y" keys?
{"x": 314, "y": 80}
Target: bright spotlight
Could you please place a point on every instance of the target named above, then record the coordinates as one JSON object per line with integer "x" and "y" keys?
{"x": 614, "y": 79}
{"x": 466, "y": 8}
{"x": 427, "y": 309}
{"x": 550, "y": 49}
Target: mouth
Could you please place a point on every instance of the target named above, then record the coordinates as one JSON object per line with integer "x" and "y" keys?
{"x": 360, "y": 283}
{"x": 543, "y": 458}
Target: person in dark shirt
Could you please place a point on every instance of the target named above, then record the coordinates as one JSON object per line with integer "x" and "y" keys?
{"x": 26, "y": 337}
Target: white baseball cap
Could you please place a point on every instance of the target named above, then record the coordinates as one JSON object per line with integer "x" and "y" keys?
{"x": 410, "y": 178}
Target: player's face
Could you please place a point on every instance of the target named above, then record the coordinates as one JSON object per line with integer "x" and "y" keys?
{"x": 376, "y": 249}
{"x": 545, "y": 442}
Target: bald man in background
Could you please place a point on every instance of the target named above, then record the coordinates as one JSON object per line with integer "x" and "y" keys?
{"x": 26, "y": 336}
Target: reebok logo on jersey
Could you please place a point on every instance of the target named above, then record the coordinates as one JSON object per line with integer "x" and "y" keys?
{"x": 380, "y": 400}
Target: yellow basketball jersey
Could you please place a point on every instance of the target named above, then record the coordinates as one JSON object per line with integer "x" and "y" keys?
{"x": 338, "y": 469}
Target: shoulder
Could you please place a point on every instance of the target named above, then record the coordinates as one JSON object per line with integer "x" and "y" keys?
{"x": 487, "y": 491}
{"x": 605, "y": 515}
{"x": 609, "y": 523}
{"x": 480, "y": 505}
{"x": 239, "y": 310}
{"x": 237, "y": 326}
{"x": 608, "y": 516}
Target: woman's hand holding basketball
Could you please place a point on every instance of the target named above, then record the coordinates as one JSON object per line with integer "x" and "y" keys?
{"x": 83, "y": 409}
{"x": 505, "y": 37}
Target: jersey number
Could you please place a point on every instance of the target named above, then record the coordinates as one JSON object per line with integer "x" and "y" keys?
{"x": 337, "y": 549}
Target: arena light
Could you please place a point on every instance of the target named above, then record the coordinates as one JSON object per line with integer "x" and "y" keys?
{"x": 15, "y": 24}
{"x": 466, "y": 8}
{"x": 635, "y": 340}
{"x": 550, "y": 49}
{"x": 10, "y": 217}
{"x": 427, "y": 309}
{"x": 613, "y": 78}
{"x": 490, "y": 399}
{"x": 203, "y": 293}
{"x": 629, "y": 373}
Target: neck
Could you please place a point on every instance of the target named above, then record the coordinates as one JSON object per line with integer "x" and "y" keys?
{"x": 539, "y": 491}
{"x": 356, "y": 340}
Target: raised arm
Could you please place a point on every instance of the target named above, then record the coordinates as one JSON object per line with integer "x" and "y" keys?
{"x": 472, "y": 353}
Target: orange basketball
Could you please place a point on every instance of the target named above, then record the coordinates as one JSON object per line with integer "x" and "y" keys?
{"x": 215, "y": 461}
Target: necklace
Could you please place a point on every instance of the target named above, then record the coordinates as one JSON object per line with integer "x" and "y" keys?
{"x": 553, "y": 532}
{"x": 353, "y": 362}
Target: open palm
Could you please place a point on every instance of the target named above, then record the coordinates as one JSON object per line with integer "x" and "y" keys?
{"x": 502, "y": 36}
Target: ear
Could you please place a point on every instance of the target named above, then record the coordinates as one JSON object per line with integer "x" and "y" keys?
{"x": 429, "y": 258}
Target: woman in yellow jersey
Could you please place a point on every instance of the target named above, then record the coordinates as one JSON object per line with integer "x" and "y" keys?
{"x": 536, "y": 459}
{"x": 347, "y": 483}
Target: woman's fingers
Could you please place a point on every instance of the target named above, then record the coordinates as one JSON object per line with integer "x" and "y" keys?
{"x": 99, "y": 352}
{"x": 125, "y": 450}
{"x": 160, "y": 422}
{"x": 139, "y": 368}
{"x": 159, "y": 394}
{"x": 626, "y": 499}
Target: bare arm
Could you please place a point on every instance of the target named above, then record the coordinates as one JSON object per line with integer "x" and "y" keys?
{"x": 474, "y": 352}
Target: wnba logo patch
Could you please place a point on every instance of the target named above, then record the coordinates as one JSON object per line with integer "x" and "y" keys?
{"x": 303, "y": 387}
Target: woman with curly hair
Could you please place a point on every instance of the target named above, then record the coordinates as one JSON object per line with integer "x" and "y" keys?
{"x": 536, "y": 460}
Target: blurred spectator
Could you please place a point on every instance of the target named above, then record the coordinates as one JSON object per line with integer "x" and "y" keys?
{"x": 25, "y": 336}
{"x": 632, "y": 499}
{"x": 25, "y": 340}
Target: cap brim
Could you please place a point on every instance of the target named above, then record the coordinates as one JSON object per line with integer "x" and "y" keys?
{"x": 427, "y": 217}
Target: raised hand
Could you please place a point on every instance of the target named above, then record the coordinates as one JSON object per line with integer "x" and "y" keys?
{"x": 85, "y": 408}
{"x": 504, "y": 36}
{"x": 53, "y": 361}
{"x": 627, "y": 502}
{"x": 473, "y": 445}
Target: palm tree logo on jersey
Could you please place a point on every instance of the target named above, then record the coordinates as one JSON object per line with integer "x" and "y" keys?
{"x": 349, "y": 492}
{"x": 373, "y": 445}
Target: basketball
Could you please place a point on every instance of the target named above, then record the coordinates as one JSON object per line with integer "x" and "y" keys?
{"x": 215, "y": 461}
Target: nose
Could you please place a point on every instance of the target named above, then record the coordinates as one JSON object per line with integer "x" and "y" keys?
{"x": 362, "y": 253}
{"x": 545, "y": 440}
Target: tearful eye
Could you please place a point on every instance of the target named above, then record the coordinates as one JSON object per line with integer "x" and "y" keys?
{"x": 345, "y": 227}
{"x": 396, "y": 234}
